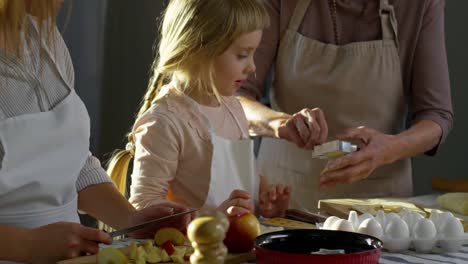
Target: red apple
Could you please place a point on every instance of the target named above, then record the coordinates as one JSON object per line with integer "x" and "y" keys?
{"x": 243, "y": 229}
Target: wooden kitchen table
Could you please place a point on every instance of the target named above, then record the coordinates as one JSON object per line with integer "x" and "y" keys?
{"x": 411, "y": 257}
{"x": 406, "y": 257}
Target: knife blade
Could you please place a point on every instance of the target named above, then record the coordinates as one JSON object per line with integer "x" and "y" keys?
{"x": 304, "y": 216}
{"x": 147, "y": 223}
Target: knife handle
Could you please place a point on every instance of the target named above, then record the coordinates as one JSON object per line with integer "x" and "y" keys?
{"x": 304, "y": 216}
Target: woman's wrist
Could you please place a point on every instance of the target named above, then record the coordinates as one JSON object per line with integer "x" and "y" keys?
{"x": 129, "y": 215}
{"x": 276, "y": 123}
{"x": 395, "y": 149}
{"x": 19, "y": 244}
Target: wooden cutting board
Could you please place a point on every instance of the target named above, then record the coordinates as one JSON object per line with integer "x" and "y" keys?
{"x": 341, "y": 207}
{"x": 230, "y": 258}
{"x": 287, "y": 223}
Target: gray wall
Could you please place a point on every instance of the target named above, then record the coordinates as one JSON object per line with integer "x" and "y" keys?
{"x": 130, "y": 34}
{"x": 83, "y": 31}
{"x": 111, "y": 45}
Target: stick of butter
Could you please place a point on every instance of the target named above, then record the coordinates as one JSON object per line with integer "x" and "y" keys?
{"x": 333, "y": 149}
{"x": 455, "y": 202}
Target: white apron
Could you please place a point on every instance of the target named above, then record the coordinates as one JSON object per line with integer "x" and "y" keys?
{"x": 44, "y": 154}
{"x": 232, "y": 167}
{"x": 358, "y": 84}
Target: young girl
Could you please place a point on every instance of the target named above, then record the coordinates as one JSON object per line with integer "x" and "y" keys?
{"x": 190, "y": 140}
{"x": 46, "y": 170}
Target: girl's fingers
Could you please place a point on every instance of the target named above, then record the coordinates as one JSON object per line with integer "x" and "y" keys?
{"x": 302, "y": 128}
{"x": 235, "y": 210}
{"x": 280, "y": 190}
{"x": 239, "y": 194}
{"x": 272, "y": 194}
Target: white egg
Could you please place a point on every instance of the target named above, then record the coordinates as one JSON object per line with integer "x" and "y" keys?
{"x": 391, "y": 215}
{"x": 397, "y": 229}
{"x": 381, "y": 218}
{"x": 424, "y": 229}
{"x": 443, "y": 218}
{"x": 453, "y": 228}
{"x": 353, "y": 219}
{"x": 364, "y": 216}
{"x": 371, "y": 227}
{"x": 411, "y": 218}
{"x": 342, "y": 225}
{"x": 329, "y": 222}
{"x": 424, "y": 245}
{"x": 434, "y": 217}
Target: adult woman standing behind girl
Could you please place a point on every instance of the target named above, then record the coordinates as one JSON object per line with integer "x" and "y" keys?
{"x": 47, "y": 172}
{"x": 190, "y": 137}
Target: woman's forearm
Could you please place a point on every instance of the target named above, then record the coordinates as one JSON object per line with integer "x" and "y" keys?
{"x": 420, "y": 138}
{"x": 104, "y": 202}
{"x": 263, "y": 121}
{"x": 14, "y": 243}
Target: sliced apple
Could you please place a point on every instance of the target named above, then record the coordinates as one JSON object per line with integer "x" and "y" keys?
{"x": 133, "y": 250}
{"x": 178, "y": 255}
{"x": 165, "y": 257}
{"x": 168, "y": 247}
{"x": 111, "y": 256}
{"x": 171, "y": 234}
{"x": 188, "y": 252}
{"x": 140, "y": 256}
{"x": 152, "y": 255}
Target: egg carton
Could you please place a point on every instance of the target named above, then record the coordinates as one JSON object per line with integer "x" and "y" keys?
{"x": 409, "y": 230}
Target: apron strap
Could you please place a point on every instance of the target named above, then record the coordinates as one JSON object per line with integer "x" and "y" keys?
{"x": 388, "y": 21}
{"x": 298, "y": 15}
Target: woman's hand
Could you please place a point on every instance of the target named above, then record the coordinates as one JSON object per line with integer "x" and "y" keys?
{"x": 238, "y": 202}
{"x": 62, "y": 240}
{"x": 158, "y": 211}
{"x": 306, "y": 128}
{"x": 274, "y": 200}
{"x": 376, "y": 149}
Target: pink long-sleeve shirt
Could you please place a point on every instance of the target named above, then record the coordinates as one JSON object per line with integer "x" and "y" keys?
{"x": 173, "y": 149}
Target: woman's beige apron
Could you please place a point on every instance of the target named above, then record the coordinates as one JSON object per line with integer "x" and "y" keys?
{"x": 358, "y": 84}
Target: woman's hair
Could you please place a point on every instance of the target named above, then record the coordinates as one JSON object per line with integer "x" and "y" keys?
{"x": 192, "y": 35}
{"x": 13, "y": 13}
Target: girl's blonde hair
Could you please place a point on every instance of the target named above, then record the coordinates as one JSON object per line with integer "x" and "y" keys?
{"x": 193, "y": 34}
{"x": 12, "y": 15}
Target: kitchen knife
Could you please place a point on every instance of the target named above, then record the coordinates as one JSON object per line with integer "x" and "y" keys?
{"x": 305, "y": 216}
{"x": 145, "y": 224}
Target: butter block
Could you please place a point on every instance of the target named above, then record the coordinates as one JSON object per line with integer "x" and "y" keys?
{"x": 455, "y": 202}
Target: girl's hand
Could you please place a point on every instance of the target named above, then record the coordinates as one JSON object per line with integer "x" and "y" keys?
{"x": 306, "y": 128}
{"x": 62, "y": 240}
{"x": 274, "y": 200}
{"x": 238, "y": 202}
{"x": 157, "y": 211}
{"x": 376, "y": 149}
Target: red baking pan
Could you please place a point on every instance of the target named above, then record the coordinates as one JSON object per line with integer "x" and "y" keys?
{"x": 302, "y": 246}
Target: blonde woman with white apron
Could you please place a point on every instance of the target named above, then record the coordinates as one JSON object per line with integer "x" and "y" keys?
{"x": 357, "y": 84}
{"x": 47, "y": 172}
